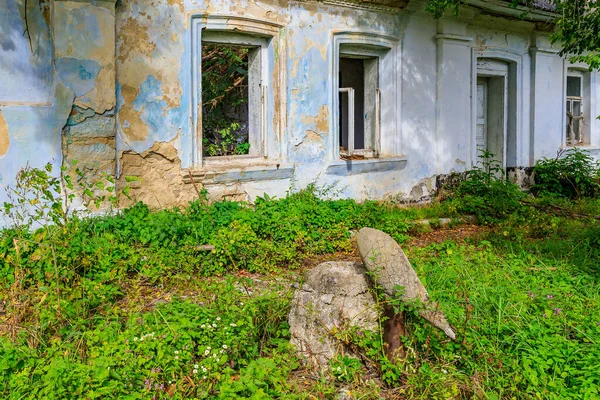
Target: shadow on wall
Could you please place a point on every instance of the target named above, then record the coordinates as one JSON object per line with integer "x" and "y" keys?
{"x": 426, "y": 151}
{"x": 25, "y": 52}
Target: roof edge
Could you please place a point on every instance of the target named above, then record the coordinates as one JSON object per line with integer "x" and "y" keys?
{"x": 543, "y": 11}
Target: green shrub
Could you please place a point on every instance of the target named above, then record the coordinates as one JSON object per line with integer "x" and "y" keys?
{"x": 487, "y": 193}
{"x": 345, "y": 368}
{"x": 573, "y": 174}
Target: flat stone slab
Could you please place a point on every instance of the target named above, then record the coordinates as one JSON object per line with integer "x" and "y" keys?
{"x": 389, "y": 268}
{"x": 335, "y": 295}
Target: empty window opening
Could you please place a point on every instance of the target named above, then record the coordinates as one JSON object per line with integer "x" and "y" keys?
{"x": 231, "y": 99}
{"x": 358, "y": 107}
{"x": 575, "y": 116}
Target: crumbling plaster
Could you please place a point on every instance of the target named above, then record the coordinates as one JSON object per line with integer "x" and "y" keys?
{"x": 57, "y": 85}
{"x": 436, "y": 81}
{"x": 302, "y": 137}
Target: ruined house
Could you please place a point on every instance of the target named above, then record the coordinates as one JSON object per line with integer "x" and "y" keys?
{"x": 375, "y": 95}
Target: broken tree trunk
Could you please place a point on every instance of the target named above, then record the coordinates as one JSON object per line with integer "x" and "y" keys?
{"x": 394, "y": 329}
{"x": 389, "y": 269}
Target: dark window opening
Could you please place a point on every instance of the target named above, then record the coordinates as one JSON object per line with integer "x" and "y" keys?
{"x": 352, "y": 75}
{"x": 574, "y": 86}
{"x": 358, "y": 107}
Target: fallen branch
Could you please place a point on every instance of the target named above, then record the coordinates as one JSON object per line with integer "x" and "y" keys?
{"x": 559, "y": 210}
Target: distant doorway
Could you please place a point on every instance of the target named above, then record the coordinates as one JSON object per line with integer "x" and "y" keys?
{"x": 492, "y": 111}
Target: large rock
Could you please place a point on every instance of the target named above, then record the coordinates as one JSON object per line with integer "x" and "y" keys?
{"x": 335, "y": 295}
{"x": 389, "y": 268}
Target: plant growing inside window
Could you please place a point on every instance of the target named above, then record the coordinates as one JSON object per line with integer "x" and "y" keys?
{"x": 225, "y": 99}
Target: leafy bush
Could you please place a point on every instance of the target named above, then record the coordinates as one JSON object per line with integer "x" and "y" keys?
{"x": 573, "y": 174}
{"x": 224, "y": 96}
{"x": 487, "y": 193}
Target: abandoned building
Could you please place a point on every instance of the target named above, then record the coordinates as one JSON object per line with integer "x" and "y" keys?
{"x": 251, "y": 97}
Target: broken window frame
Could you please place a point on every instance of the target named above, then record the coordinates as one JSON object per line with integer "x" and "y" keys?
{"x": 257, "y": 96}
{"x": 274, "y": 79}
{"x": 575, "y": 127}
{"x": 388, "y": 49}
{"x": 372, "y": 111}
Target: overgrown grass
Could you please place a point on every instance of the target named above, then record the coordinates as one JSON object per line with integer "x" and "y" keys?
{"x": 526, "y": 303}
{"x": 130, "y": 307}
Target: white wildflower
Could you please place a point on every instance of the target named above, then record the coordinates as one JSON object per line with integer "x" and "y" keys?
{"x": 176, "y": 351}
{"x": 218, "y": 318}
{"x": 135, "y": 339}
{"x": 225, "y": 346}
{"x": 195, "y": 366}
{"x": 195, "y": 371}
{"x": 233, "y": 325}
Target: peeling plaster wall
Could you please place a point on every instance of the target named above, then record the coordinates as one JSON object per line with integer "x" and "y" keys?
{"x": 435, "y": 68}
{"x": 436, "y": 73}
{"x": 152, "y": 73}
{"x": 57, "y": 86}
{"x": 84, "y": 42}
{"x": 31, "y": 100}
{"x": 113, "y": 88}
{"x": 153, "y": 90}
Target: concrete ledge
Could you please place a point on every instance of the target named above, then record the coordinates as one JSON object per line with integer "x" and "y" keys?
{"x": 355, "y": 167}
{"x": 252, "y": 173}
{"x": 445, "y": 222}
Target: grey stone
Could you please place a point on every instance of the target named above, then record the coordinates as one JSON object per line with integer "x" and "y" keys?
{"x": 389, "y": 268}
{"x": 344, "y": 394}
{"x": 334, "y": 295}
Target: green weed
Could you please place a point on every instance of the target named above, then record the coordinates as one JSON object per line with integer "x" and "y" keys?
{"x": 572, "y": 174}
{"x": 134, "y": 306}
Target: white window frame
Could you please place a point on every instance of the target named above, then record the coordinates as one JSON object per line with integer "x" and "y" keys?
{"x": 387, "y": 141}
{"x": 580, "y": 119}
{"x": 269, "y": 117}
